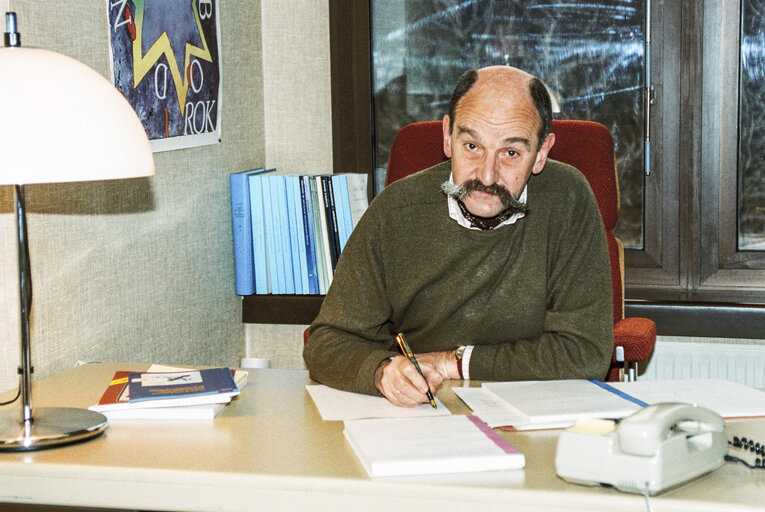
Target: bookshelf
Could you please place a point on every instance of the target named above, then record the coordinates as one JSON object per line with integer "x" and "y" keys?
{"x": 280, "y": 309}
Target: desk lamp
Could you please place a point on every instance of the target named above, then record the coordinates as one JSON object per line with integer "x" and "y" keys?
{"x": 61, "y": 122}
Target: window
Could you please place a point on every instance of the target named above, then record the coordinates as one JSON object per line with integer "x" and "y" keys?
{"x": 694, "y": 227}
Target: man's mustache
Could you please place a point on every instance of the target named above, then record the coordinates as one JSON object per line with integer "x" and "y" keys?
{"x": 509, "y": 201}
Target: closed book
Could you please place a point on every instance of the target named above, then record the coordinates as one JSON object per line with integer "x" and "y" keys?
{"x": 310, "y": 237}
{"x": 259, "y": 237}
{"x": 429, "y": 445}
{"x": 328, "y": 269}
{"x": 282, "y": 227}
{"x": 331, "y": 220}
{"x": 116, "y": 397}
{"x": 241, "y": 222}
{"x": 185, "y": 412}
{"x": 343, "y": 207}
{"x": 297, "y": 235}
{"x": 274, "y": 260}
{"x": 190, "y": 383}
{"x": 321, "y": 267}
{"x": 357, "y": 193}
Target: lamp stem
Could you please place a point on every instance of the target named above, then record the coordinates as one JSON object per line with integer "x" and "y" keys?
{"x": 25, "y": 293}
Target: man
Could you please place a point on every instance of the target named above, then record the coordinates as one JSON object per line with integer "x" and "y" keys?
{"x": 494, "y": 265}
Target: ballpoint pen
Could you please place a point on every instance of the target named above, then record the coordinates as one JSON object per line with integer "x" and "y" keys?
{"x": 408, "y": 353}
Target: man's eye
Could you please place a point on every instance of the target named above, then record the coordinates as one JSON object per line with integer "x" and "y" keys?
{"x": 512, "y": 153}
{"x": 471, "y": 146}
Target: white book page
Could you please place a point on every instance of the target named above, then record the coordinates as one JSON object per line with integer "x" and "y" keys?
{"x": 334, "y": 405}
{"x": 559, "y": 401}
{"x": 727, "y": 398}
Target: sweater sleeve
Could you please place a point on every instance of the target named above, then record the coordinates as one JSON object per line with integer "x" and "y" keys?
{"x": 351, "y": 335}
{"x": 577, "y": 339}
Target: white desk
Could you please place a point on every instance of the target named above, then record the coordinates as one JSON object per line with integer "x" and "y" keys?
{"x": 270, "y": 450}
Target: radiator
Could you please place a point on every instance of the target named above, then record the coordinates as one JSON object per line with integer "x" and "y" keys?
{"x": 742, "y": 363}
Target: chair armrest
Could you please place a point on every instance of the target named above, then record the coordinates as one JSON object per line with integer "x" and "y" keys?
{"x": 637, "y": 336}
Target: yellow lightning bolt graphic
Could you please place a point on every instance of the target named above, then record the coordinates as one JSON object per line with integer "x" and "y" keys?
{"x": 143, "y": 63}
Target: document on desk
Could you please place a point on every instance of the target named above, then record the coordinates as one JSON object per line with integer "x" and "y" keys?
{"x": 495, "y": 412}
{"x": 334, "y": 405}
{"x": 555, "y": 404}
{"x": 420, "y": 446}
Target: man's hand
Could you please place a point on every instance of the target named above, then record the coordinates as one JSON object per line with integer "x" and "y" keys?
{"x": 398, "y": 380}
{"x": 444, "y": 363}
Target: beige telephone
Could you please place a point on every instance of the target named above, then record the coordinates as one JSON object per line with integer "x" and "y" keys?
{"x": 658, "y": 447}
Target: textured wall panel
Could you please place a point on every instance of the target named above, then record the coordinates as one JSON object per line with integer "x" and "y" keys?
{"x": 138, "y": 270}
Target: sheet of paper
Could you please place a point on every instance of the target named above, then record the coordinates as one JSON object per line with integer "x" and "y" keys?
{"x": 727, "y": 398}
{"x": 336, "y": 405}
{"x": 495, "y": 412}
{"x": 415, "y": 446}
{"x": 560, "y": 401}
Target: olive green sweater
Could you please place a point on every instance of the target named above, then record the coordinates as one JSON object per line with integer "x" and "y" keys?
{"x": 533, "y": 297}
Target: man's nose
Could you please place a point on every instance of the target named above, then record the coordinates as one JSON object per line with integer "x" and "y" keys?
{"x": 487, "y": 172}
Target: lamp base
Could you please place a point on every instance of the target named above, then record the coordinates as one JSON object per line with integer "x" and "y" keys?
{"x": 49, "y": 426}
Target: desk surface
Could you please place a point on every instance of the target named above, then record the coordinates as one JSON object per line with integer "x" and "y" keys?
{"x": 270, "y": 450}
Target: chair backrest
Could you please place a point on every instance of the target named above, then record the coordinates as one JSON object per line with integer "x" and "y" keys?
{"x": 586, "y": 145}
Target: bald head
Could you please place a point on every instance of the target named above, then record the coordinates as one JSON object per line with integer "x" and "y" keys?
{"x": 504, "y": 84}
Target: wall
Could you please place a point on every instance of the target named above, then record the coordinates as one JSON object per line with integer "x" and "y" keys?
{"x": 298, "y": 126}
{"x": 135, "y": 270}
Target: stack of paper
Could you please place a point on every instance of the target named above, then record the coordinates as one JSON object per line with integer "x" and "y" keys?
{"x": 429, "y": 445}
{"x": 556, "y": 404}
{"x": 169, "y": 393}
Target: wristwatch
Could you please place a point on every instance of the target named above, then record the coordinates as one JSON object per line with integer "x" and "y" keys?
{"x": 458, "y": 353}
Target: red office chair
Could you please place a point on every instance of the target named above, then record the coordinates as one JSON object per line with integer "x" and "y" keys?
{"x": 588, "y": 146}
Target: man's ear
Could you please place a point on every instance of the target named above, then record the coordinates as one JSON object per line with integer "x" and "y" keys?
{"x": 541, "y": 159}
{"x": 447, "y": 137}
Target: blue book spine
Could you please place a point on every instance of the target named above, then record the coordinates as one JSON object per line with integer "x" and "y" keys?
{"x": 259, "y": 245}
{"x": 273, "y": 249}
{"x": 292, "y": 219}
{"x": 282, "y": 226}
{"x": 310, "y": 236}
{"x": 301, "y": 235}
{"x": 322, "y": 251}
{"x": 244, "y": 269}
{"x": 343, "y": 204}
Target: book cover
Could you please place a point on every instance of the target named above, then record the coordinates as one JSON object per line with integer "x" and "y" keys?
{"x": 429, "y": 445}
{"x": 309, "y": 236}
{"x": 273, "y": 246}
{"x": 328, "y": 270}
{"x": 282, "y": 229}
{"x": 295, "y": 245}
{"x": 331, "y": 219}
{"x": 321, "y": 268}
{"x": 190, "y": 383}
{"x": 357, "y": 193}
{"x": 343, "y": 206}
{"x": 116, "y": 397}
{"x": 241, "y": 222}
{"x": 258, "y": 228}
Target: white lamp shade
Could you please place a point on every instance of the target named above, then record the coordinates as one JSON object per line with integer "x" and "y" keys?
{"x": 61, "y": 121}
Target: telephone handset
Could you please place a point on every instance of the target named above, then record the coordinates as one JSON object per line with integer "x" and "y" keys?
{"x": 658, "y": 447}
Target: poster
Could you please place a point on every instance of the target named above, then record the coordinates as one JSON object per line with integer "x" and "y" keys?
{"x": 166, "y": 61}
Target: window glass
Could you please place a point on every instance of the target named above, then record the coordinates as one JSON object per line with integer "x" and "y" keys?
{"x": 591, "y": 56}
{"x": 751, "y": 165}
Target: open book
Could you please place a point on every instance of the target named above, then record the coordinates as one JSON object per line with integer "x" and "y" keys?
{"x": 430, "y": 444}
{"x": 559, "y": 403}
